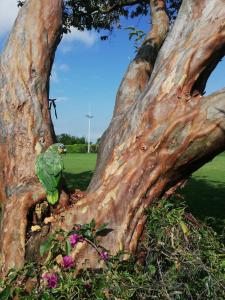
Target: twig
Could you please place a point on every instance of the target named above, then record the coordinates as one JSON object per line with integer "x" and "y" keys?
{"x": 161, "y": 277}
{"x": 93, "y": 245}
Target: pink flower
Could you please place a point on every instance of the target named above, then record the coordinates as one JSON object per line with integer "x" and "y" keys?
{"x": 104, "y": 255}
{"x": 75, "y": 238}
{"x": 52, "y": 280}
{"x": 67, "y": 262}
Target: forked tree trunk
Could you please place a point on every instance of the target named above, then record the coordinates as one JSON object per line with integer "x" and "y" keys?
{"x": 161, "y": 135}
{"x": 161, "y": 131}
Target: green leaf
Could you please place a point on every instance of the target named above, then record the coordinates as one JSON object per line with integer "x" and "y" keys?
{"x": 45, "y": 247}
{"x": 45, "y": 296}
{"x": 92, "y": 224}
{"x": 152, "y": 269}
{"x": 68, "y": 247}
{"x": 12, "y": 275}
{"x": 131, "y": 35}
{"x": 6, "y": 293}
{"x": 103, "y": 230}
{"x": 130, "y": 28}
{"x": 88, "y": 234}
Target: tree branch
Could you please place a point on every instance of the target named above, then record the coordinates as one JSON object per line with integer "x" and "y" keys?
{"x": 141, "y": 67}
{"x": 207, "y": 138}
{"x": 134, "y": 82}
{"x": 200, "y": 46}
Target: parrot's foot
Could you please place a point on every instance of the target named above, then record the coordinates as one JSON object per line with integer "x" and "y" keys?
{"x": 62, "y": 204}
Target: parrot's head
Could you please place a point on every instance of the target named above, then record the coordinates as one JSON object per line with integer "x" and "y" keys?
{"x": 58, "y": 148}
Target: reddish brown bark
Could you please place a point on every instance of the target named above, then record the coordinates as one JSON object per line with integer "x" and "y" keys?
{"x": 168, "y": 132}
{"x": 162, "y": 129}
{"x": 133, "y": 83}
{"x": 140, "y": 69}
{"x": 24, "y": 117}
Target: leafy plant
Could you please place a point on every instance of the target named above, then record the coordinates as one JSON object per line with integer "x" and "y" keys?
{"x": 179, "y": 259}
{"x": 106, "y": 15}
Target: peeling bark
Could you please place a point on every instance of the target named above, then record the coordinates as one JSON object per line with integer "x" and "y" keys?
{"x": 164, "y": 136}
{"x": 25, "y": 66}
{"x": 162, "y": 130}
{"x": 140, "y": 69}
{"x": 133, "y": 84}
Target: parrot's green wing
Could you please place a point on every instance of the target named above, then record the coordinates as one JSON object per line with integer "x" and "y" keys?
{"x": 54, "y": 163}
{"x": 48, "y": 168}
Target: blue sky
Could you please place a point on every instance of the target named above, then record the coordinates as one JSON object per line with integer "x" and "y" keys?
{"x": 86, "y": 78}
{"x": 87, "y": 72}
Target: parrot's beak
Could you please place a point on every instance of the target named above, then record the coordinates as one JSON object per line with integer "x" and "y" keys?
{"x": 62, "y": 151}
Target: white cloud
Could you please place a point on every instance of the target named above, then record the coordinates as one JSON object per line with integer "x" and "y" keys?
{"x": 86, "y": 37}
{"x": 71, "y": 40}
{"x": 8, "y": 14}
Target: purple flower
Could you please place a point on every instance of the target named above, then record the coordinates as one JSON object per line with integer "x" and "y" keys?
{"x": 75, "y": 238}
{"x": 67, "y": 262}
{"x": 104, "y": 255}
{"x": 52, "y": 280}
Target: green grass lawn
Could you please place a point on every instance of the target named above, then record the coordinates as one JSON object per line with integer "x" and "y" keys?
{"x": 204, "y": 193}
{"x": 79, "y": 169}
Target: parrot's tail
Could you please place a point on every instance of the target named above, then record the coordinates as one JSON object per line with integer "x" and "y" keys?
{"x": 53, "y": 197}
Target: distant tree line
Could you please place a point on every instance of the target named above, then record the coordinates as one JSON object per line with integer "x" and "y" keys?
{"x": 68, "y": 139}
{"x": 76, "y": 144}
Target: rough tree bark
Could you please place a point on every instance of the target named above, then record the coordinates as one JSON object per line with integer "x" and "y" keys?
{"x": 162, "y": 130}
{"x": 24, "y": 118}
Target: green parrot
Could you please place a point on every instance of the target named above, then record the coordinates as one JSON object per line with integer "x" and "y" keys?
{"x": 48, "y": 168}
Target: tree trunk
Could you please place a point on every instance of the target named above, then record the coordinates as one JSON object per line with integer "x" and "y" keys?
{"x": 162, "y": 129}
{"x": 163, "y": 135}
{"x": 133, "y": 84}
{"x": 25, "y": 67}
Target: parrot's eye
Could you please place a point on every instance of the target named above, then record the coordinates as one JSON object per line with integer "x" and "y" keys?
{"x": 61, "y": 149}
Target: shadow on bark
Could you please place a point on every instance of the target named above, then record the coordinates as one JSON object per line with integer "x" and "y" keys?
{"x": 206, "y": 201}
